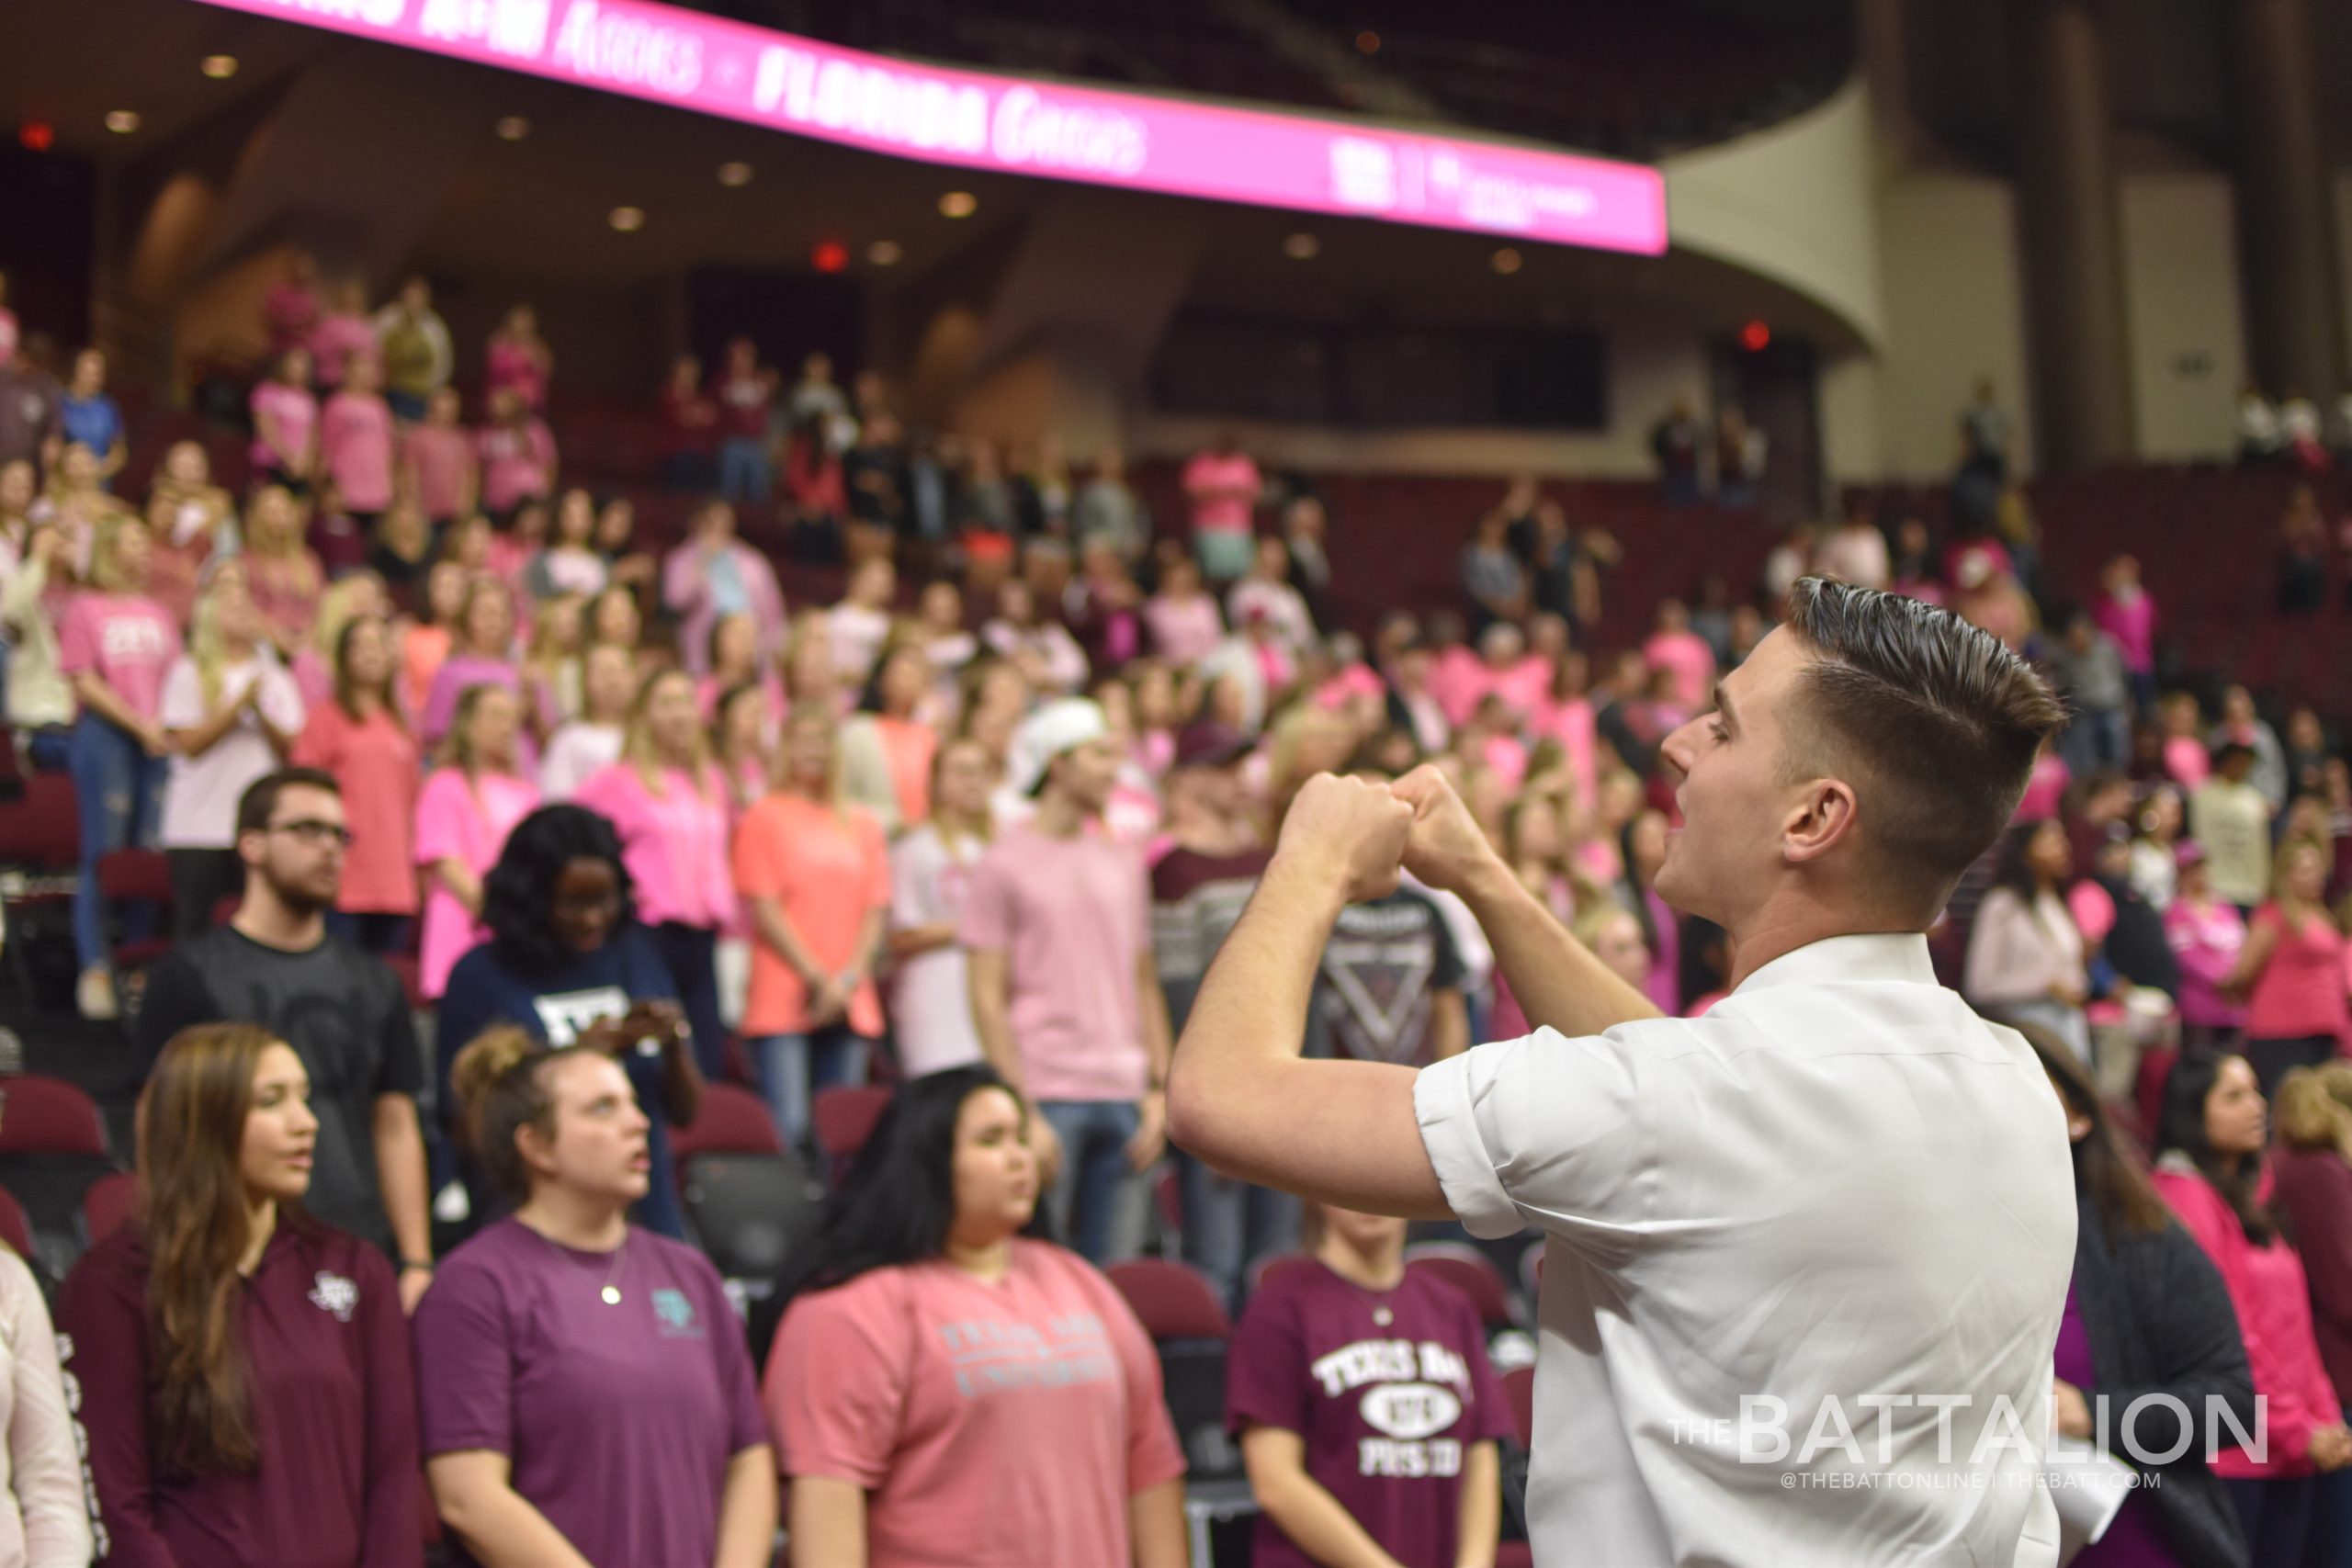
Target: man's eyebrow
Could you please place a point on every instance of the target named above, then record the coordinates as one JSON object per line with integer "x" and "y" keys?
{"x": 1723, "y": 708}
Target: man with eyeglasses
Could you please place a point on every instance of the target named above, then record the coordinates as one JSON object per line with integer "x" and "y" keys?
{"x": 344, "y": 1011}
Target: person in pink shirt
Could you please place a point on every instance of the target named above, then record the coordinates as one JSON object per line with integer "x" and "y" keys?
{"x": 2125, "y": 611}
{"x": 2292, "y": 972}
{"x": 8, "y": 336}
{"x": 713, "y": 574}
{"x": 286, "y": 422}
{"x": 2211, "y": 1170}
{"x": 518, "y": 360}
{"x": 668, "y": 802}
{"x": 282, "y": 572}
{"x": 744, "y": 726}
{"x": 1182, "y": 617}
{"x": 1223, "y": 485}
{"x": 1564, "y": 713}
{"x": 886, "y": 748}
{"x": 343, "y": 334}
{"x": 948, "y": 1386}
{"x": 116, "y": 644}
{"x": 2045, "y": 787}
{"x": 519, "y": 455}
{"x": 291, "y": 309}
{"x": 356, "y": 441}
{"x": 2206, "y": 935}
{"x": 467, "y": 806}
{"x": 360, "y": 737}
{"x": 816, "y": 875}
{"x": 439, "y": 462}
{"x": 1673, "y": 646}
{"x": 1457, "y": 676}
{"x": 482, "y": 652}
{"x": 736, "y": 660}
{"x": 2187, "y": 759}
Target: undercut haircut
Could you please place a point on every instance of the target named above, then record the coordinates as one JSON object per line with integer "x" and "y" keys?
{"x": 1932, "y": 721}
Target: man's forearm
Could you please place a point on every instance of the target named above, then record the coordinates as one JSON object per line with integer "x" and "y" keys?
{"x": 1557, "y": 979}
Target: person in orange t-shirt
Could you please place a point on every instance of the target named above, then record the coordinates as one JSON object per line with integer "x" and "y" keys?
{"x": 816, "y": 875}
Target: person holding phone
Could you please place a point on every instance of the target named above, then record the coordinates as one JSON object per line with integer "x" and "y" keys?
{"x": 568, "y": 963}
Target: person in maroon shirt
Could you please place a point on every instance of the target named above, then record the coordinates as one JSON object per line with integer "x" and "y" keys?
{"x": 245, "y": 1381}
{"x": 2313, "y": 1168}
{"x": 1368, "y": 1413}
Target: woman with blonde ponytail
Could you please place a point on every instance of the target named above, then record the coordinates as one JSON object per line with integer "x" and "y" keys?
{"x": 243, "y": 1368}
{"x": 585, "y": 1389}
{"x": 2313, "y": 1170}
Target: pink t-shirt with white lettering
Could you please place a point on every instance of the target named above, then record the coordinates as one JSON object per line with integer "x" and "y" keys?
{"x": 673, "y": 844}
{"x": 126, "y": 639}
{"x": 1224, "y": 492}
{"x": 355, "y": 444}
{"x": 991, "y": 1426}
{"x": 1072, "y": 916}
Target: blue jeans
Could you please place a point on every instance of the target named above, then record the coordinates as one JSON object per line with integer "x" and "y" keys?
{"x": 119, "y": 789}
{"x": 1229, "y": 1224}
{"x": 1095, "y": 1190}
{"x": 2098, "y": 739}
{"x": 793, "y": 1067}
{"x": 744, "y": 472}
{"x": 2275, "y": 1515}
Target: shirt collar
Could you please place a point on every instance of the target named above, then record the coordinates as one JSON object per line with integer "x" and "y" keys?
{"x": 1884, "y": 957}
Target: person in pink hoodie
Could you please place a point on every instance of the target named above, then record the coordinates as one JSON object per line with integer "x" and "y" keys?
{"x": 2125, "y": 611}
{"x": 2209, "y": 1169}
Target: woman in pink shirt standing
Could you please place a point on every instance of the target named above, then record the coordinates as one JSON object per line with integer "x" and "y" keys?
{"x": 2292, "y": 972}
{"x": 282, "y": 573}
{"x": 115, "y": 643}
{"x": 518, "y": 457}
{"x": 667, "y": 800}
{"x": 2206, "y": 935}
{"x": 467, "y": 808}
{"x": 360, "y": 737}
{"x": 438, "y": 463}
{"x": 355, "y": 442}
{"x": 2210, "y": 1141}
{"x": 2124, "y": 612}
{"x": 948, "y": 1386}
{"x": 518, "y": 359}
{"x": 286, "y": 422}
{"x": 816, "y": 875}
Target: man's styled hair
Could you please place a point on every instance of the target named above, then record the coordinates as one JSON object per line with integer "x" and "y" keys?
{"x": 1933, "y": 721}
{"x": 259, "y": 803}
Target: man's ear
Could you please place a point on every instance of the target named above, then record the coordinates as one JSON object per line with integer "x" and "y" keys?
{"x": 1823, "y": 819}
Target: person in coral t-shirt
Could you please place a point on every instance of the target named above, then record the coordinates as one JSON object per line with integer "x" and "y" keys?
{"x": 945, "y": 1388}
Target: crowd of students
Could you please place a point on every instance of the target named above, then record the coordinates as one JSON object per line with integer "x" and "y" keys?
{"x": 979, "y": 826}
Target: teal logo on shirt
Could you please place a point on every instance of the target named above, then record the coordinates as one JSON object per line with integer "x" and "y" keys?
{"x": 676, "y": 1315}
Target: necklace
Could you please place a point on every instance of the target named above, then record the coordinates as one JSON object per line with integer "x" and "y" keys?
{"x": 1377, "y": 1297}
{"x": 609, "y": 1294}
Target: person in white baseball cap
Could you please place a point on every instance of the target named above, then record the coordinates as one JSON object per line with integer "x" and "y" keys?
{"x": 1064, "y": 992}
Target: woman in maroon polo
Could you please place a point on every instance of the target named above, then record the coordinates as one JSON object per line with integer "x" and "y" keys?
{"x": 245, "y": 1369}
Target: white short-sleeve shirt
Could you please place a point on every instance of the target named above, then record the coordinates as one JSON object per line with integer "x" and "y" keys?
{"x": 1840, "y": 1190}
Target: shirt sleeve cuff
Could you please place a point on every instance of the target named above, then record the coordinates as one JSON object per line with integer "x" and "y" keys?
{"x": 1443, "y": 1104}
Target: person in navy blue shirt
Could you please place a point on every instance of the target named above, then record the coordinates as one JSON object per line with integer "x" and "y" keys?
{"x": 568, "y": 963}
{"x": 87, "y": 417}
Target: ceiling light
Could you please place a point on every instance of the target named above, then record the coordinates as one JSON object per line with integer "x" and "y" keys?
{"x": 122, "y": 122}
{"x": 884, "y": 252}
{"x": 220, "y": 67}
{"x": 1508, "y": 261}
{"x": 1367, "y": 42}
{"x": 628, "y": 220}
{"x": 513, "y": 127}
{"x": 1301, "y": 247}
{"x": 734, "y": 172}
{"x": 958, "y": 204}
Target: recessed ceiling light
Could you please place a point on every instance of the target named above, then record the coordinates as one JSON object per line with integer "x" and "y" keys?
{"x": 1301, "y": 247}
{"x": 220, "y": 67}
{"x": 1367, "y": 42}
{"x": 958, "y": 204}
{"x": 1508, "y": 261}
{"x": 884, "y": 252}
{"x": 735, "y": 172}
{"x": 122, "y": 122}
{"x": 513, "y": 127}
{"x": 628, "y": 220}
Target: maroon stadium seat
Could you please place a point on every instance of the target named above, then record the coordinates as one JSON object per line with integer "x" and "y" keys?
{"x": 110, "y": 1201}
{"x": 844, "y": 1118}
{"x": 731, "y": 1120}
{"x": 1173, "y": 1300}
{"x": 1471, "y": 1272}
{"x": 48, "y": 1116}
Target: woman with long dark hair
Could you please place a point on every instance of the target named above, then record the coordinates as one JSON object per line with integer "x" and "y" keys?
{"x": 243, "y": 1368}
{"x": 585, "y": 1391}
{"x": 2210, "y": 1140}
{"x": 2024, "y": 952}
{"x": 568, "y": 963}
{"x": 949, "y": 1386}
{"x": 362, "y": 739}
{"x": 2147, "y": 1315}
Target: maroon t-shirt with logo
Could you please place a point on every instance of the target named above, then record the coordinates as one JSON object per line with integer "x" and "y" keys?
{"x": 1388, "y": 1389}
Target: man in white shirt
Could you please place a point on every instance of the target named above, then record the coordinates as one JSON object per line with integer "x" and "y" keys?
{"x": 1805, "y": 1257}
